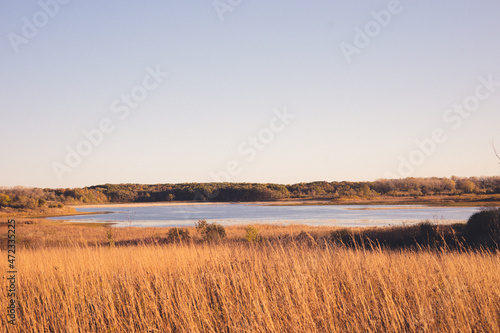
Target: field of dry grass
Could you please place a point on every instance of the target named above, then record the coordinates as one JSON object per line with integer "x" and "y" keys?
{"x": 74, "y": 286}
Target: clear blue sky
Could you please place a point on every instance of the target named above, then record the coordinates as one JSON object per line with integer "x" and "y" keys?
{"x": 356, "y": 117}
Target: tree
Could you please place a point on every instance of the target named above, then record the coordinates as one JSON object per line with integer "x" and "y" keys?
{"x": 4, "y": 200}
{"x": 365, "y": 190}
{"x": 466, "y": 185}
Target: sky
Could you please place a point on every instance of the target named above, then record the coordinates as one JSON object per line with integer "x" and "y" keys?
{"x": 95, "y": 92}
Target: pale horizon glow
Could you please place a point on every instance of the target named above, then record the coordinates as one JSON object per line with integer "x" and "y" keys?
{"x": 266, "y": 95}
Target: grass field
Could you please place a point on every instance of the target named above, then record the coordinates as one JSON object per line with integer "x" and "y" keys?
{"x": 77, "y": 283}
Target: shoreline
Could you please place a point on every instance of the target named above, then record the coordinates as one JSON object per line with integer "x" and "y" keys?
{"x": 403, "y": 204}
{"x": 202, "y": 203}
{"x": 156, "y": 204}
{"x": 337, "y": 224}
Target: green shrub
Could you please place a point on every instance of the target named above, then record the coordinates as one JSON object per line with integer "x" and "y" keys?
{"x": 483, "y": 228}
{"x": 210, "y": 232}
{"x": 110, "y": 237}
{"x": 252, "y": 234}
{"x": 4, "y": 200}
{"x": 176, "y": 235}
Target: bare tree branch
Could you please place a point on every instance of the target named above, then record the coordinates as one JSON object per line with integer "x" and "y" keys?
{"x": 495, "y": 150}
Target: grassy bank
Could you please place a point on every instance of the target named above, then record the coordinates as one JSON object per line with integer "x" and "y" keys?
{"x": 42, "y": 233}
{"x": 463, "y": 200}
{"x": 9, "y": 212}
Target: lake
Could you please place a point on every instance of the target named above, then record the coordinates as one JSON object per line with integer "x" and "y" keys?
{"x": 231, "y": 214}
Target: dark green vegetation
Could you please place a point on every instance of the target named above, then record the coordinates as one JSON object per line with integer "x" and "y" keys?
{"x": 177, "y": 235}
{"x": 418, "y": 190}
{"x": 483, "y": 228}
{"x": 211, "y": 232}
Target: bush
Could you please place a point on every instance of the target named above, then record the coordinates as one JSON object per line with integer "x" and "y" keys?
{"x": 306, "y": 238}
{"x": 110, "y": 237}
{"x": 210, "y": 232}
{"x": 176, "y": 235}
{"x": 252, "y": 234}
{"x": 4, "y": 200}
{"x": 483, "y": 228}
{"x": 428, "y": 233}
{"x": 341, "y": 235}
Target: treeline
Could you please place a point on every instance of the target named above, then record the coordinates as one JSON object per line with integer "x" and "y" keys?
{"x": 31, "y": 198}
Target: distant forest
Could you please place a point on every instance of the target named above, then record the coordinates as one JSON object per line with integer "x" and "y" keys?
{"x": 33, "y": 198}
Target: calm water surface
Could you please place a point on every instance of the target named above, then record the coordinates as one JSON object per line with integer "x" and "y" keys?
{"x": 231, "y": 214}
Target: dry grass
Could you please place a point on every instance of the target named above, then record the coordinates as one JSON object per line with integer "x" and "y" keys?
{"x": 239, "y": 287}
{"x": 40, "y": 233}
{"x": 9, "y": 212}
